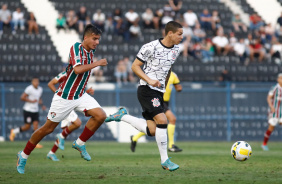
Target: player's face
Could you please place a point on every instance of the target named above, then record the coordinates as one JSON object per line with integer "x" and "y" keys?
{"x": 91, "y": 41}
{"x": 279, "y": 80}
{"x": 177, "y": 36}
{"x": 35, "y": 82}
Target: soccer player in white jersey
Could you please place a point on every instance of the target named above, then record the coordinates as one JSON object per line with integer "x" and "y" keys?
{"x": 275, "y": 110}
{"x": 32, "y": 98}
{"x": 71, "y": 123}
{"x": 71, "y": 96}
{"x": 157, "y": 57}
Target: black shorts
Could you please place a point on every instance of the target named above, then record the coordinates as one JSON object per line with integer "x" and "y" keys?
{"x": 166, "y": 106}
{"x": 151, "y": 101}
{"x": 30, "y": 117}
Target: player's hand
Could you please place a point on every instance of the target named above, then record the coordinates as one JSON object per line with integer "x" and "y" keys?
{"x": 154, "y": 83}
{"x": 272, "y": 109}
{"x": 102, "y": 62}
{"x": 90, "y": 91}
{"x": 33, "y": 101}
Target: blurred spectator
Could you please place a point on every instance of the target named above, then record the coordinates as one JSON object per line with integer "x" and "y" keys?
{"x": 32, "y": 24}
{"x": 187, "y": 35}
{"x": 276, "y": 51}
{"x": 232, "y": 40}
{"x": 121, "y": 71}
{"x": 279, "y": 25}
{"x": 135, "y": 30}
{"x": 269, "y": 32}
{"x": 205, "y": 20}
{"x": 147, "y": 19}
{"x": 215, "y": 20}
{"x": 240, "y": 50}
{"x": 6, "y": 19}
{"x": 121, "y": 29}
{"x": 257, "y": 49}
{"x": 176, "y": 6}
{"x": 238, "y": 23}
{"x": 255, "y": 22}
{"x": 61, "y": 22}
{"x": 131, "y": 17}
{"x": 190, "y": 18}
{"x": 221, "y": 43}
{"x": 128, "y": 64}
{"x": 18, "y": 19}
{"x": 157, "y": 18}
{"x": 168, "y": 15}
{"x": 82, "y": 15}
{"x": 225, "y": 76}
{"x": 99, "y": 19}
{"x": 198, "y": 33}
{"x": 71, "y": 20}
{"x": 117, "y": 14}
{"x": 109, "y": 25}
{"x": 207, "y": 51}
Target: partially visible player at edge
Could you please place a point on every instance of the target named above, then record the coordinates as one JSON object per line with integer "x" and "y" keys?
{"x": 173, "y": 81}
{"x": 71, "y": 96}
{"x": 32, "y": 98}
{"x": 71, "y": 123}
{"x": 275, "y": 110}
{"x": 157, "y": 57}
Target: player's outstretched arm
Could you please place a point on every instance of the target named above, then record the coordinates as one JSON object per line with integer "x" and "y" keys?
{"x": 52, "y": 84}
{"x": 136, "y": 68}
{"x": 79, "y": 69}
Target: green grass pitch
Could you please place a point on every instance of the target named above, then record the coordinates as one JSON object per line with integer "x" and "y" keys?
{"x": 112, "y": 162}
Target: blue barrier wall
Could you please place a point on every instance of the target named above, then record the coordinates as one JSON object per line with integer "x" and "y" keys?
{"x": 205, "y": 111}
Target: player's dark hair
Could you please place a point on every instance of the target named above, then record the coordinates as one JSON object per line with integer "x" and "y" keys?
{"x": 90, "y": 28}
{"x": 172, "y": 26}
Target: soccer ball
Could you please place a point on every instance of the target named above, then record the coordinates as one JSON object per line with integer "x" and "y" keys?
{"x": 241, "y": 151}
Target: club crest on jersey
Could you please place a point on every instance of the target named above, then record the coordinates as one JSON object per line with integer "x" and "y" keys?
{"x": 156, "y": 102}
{"x": 173, "y": 54}
{"x": 53, "y": 114}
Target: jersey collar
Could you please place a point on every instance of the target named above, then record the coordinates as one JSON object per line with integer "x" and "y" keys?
{"x": 164, "y": 45}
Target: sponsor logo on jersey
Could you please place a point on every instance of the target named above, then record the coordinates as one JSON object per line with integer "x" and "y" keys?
{"x": 156, "y": 102}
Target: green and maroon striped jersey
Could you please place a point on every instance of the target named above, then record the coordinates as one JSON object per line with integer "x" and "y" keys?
{"x": 276, "y": 92}
{"x": 74, "y": 85}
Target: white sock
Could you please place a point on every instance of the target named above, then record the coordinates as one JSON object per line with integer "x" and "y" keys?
{"x": 61, "y": 135}
{"x": 138, "y": 123}
{"x": 161, "y": 139}
{"x": 51, "y": 152}
{"x": 24, "y": 155}
{"x": 80, "y": 142}
{"x": 16, "y": 130}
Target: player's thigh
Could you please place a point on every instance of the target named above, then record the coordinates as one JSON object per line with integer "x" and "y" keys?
{"x": 170, "y": 116}
{"x": 60, "y": 108}
{"x": 160, "y": 118}
{"x": 90, "y": 107}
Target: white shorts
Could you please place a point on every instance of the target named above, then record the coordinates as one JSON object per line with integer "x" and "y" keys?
{"x": 61, "y": 108}
{"x": 69, "y": 120}
{"x": 274, "y": 121}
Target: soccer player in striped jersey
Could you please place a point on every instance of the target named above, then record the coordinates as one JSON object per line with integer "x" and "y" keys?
{"x": 71, "y": 96}
{"x": 71, "y": 123}
{"x": 275, "y": 111}
{"x": 173, "y": 81}
{"x": 156, "y": 57}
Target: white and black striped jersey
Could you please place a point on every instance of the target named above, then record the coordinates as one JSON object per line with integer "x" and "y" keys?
{"x": 157, "y": 59}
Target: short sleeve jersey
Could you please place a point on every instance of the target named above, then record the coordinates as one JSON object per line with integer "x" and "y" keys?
{"x": 173, "y": 79}
{"x": 74, "y": 85}
{"x": 276, "y": 93}
{"x": 61, "y": 77}
{"x": 157, "y": 60}
{"x": 33, "y": 94}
